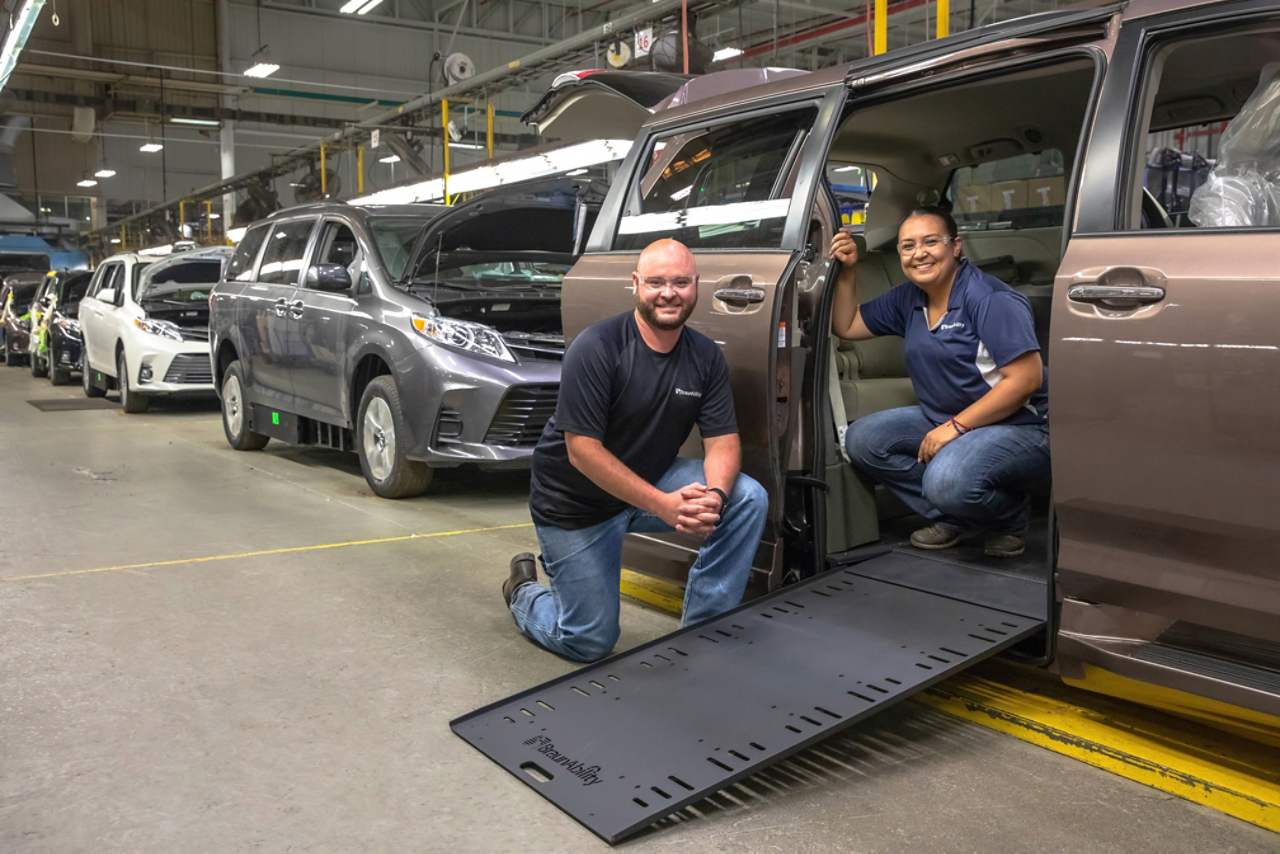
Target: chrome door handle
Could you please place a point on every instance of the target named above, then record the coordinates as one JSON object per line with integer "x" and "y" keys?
{"x": 739, "y": 295}
{"x": 280, "y": 306}
{"x": 295, "y": 308}
{"x": 1116, "y": 296}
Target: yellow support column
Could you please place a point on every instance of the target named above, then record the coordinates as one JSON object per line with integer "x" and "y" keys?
{"x": 488, "y": 109}
{"x": 122, "y": 239}
{"x": 444, "y": 134}
{"x": 944, "y": 18}
{"x": 360, "y": 169}
{"x": 324, "y": 188}
{"x": 882, "y": 26}
{"x": 182, "y": 218}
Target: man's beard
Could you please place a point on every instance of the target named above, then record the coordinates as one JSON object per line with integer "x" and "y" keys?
{"x": 650, "y": 315}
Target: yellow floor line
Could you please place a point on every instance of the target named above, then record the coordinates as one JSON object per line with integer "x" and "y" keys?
{"x": 653, "y": 591}
{"x": 266, "y": 552}
{"x": 1220, "y": 771}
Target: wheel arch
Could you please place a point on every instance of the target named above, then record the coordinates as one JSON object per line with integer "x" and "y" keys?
{"x": 226, "y": 354}
{"x": 370, "y": 364}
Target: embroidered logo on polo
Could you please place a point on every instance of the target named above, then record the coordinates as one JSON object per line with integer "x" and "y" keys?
{"x": 681, "y": 391}
{"x": 957, "y": 325}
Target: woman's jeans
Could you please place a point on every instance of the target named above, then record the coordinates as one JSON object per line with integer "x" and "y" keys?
{"x": 977, "y": 481}
{"x": 578, "y": 616}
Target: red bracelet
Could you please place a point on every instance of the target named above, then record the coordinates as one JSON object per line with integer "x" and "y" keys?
{"x": 959, "y": 428}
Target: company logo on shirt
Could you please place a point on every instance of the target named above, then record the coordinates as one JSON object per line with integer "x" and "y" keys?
{"x": 688, "y": 393}
{"x": 952, "y": 326}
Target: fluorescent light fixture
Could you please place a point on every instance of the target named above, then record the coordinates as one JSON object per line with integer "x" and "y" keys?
{"x": 846, "y": 169}
{"x": 262, "y": 69}
{"x": 555, "y": 162}
{"x": 151, "y": 147}
{"x": 208, "y": 123}
{"x": 157, "y": 250}
{"x": 215, "y": 216}
{"x": 726, "y": 53}
{"x": 104, "y": 172}
{"x": 576, "y": 172}
{"x": 471, "y": 146}
{"x": 366, "y": 7}
{"x": 115, "y": 240}
{"x": 681, "y": 195}
{"x": 358, "y": 7}
{"x": 394, "y": 158}
{"x": 235, "y": 235}
{"x": 87, "y": 182}
{"x": 19, "y": 29}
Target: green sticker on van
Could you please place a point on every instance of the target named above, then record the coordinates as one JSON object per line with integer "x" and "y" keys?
{"x": 275, "y": 418}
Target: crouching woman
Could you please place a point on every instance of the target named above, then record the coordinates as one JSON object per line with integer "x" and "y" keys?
{"x": 967, "y": 456}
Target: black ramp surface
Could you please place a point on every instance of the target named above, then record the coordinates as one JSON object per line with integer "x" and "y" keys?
{"x": 74, "y": 404}
{"x": 624, "y": 742}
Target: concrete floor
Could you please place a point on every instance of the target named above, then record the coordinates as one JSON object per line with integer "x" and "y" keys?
{"x": 299, "y": 700}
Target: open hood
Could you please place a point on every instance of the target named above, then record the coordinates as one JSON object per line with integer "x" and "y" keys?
{"x": 616, "y": 104}
{"x": 551, "y": 217}
{"x": 596, "y": 104}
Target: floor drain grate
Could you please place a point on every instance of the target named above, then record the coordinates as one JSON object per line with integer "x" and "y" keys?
{"x": 73, "y": 404}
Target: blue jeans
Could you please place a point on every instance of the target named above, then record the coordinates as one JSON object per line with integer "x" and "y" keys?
{"x": 578, "y": 616}
{"x": 977, "y": 481}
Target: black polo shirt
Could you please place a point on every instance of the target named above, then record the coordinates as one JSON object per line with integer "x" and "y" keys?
{"x": 641, "y": 404}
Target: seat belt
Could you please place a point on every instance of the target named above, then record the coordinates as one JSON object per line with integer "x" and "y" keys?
{"x": 837, "y": 399}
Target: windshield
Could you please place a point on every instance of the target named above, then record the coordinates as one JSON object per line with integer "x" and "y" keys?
{"x": 76, "y": 288}
{"x": 138, "y": 267}
{"x": 499, "y": 273}
{"x": 174, "y": 284}
{"x": 395, "y": 237}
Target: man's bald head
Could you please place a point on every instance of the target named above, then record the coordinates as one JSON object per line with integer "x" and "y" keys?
{"x": 667, "y": 257}
{"x": 666, "y": 283}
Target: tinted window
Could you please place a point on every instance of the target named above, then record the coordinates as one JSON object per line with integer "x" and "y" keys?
{"x": 106, "y": 278}
{"x": 240, "y": 268}
{"x": 723, "y": 187}
{"x": 1212, "y": 134}
{"x": 338, "y": 246}
{"x": 76, "y": 288}
{"x": 282, "y": 260}
{"x": 1023, "y": 191}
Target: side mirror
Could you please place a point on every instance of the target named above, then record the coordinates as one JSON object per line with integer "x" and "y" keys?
{"x": 331, "y": 278}
{"x": 107, "y": 295}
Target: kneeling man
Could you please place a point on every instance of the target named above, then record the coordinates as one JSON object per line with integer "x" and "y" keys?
{"x": 631, "y": 390}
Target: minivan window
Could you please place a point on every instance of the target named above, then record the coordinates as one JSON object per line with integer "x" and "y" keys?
{"x": 138, "y": 267}
{"x": 396, "y": 237}
{"x": 1022, "y": 191}
{"x": 107, "y": 278}
{"x": 240, "y": 267}
{"x": 282, "y": 260}
{"x": 339, "y": 246}
{"x": 718, "y": 188}
{"x": 1212, "y": 141}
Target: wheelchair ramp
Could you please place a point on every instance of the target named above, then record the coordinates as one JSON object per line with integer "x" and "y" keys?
{"x": 625, "y": 742}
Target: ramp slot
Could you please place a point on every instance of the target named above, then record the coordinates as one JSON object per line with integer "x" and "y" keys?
{"x": 618, "y": 767}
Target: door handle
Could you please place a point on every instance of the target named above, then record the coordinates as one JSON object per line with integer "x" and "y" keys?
{"x": 739, "y": 295}
{"x": 280, "y": 306}
{"x": 295, "y": 308}
{"x": 1116, "y": 296}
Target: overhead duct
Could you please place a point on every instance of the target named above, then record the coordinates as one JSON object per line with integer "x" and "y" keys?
{"x": 11, "y": 128}
{"x": 83, "y": 120}
{"x": 408, "y": 155}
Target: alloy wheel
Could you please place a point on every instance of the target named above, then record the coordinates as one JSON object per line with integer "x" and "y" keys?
{"x": 379, "y": 439}
{"x": 231, "y": 406}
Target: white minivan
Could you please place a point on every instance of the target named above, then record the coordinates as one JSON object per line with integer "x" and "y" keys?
{"x": 146, "y": 326}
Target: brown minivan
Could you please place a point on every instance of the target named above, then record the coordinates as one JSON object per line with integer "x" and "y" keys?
{"x": 1050, "y": 138}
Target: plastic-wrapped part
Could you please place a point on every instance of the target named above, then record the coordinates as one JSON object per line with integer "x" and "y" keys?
{"x": 1244, "y": 187}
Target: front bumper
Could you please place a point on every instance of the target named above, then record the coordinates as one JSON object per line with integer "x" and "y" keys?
{"x": 461, "y": 409}
{"x": 163, "y": 366}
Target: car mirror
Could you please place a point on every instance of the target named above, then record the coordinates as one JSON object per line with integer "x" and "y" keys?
{"x": 107, "y": 295}
{"x": 332, "y": 278}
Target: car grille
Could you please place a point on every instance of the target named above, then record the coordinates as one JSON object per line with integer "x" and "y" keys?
{"x": 194, "y": 333}
{"x": 530, "y": 346}
{"x": 524, "y": 412}
{"x": 190, "y": 368}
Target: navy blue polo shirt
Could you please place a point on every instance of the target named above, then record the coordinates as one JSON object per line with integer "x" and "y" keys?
{"x": 987, "y": 325}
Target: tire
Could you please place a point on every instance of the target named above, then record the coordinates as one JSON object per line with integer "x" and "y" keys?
{"x": 38, "y": 366}
{"x": 57, "y": 376}
{"x": 86, "y": 379}
{"x": 234, "y": 423}
{"x": 382, "y": 459}
{"x": 130, "y": 401}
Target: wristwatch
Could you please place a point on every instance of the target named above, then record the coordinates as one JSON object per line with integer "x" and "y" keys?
{"x": 724, "y": 500}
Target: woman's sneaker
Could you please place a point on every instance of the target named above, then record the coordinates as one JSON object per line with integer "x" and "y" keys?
{"x": 1004, "y": 545}
{"x": 939, "y": 535}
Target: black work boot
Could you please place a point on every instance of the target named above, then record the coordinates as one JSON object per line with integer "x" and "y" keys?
{"x": 524, "y": 570}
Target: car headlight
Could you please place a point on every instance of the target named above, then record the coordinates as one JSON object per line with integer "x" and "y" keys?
{"x": 163, "y": 328}
{"x": 463, "y": 335}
